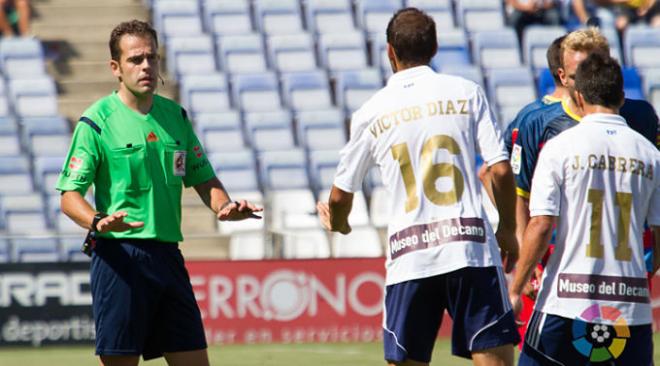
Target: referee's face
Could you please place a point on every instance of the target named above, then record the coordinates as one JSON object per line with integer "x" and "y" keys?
{"x": 137, "y": 68}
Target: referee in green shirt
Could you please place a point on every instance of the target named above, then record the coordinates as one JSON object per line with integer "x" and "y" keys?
{"x": 139, "y": 149}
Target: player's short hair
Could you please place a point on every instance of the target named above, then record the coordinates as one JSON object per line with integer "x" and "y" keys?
{"x": 553, "y": 55}
{"x": 585, "y": 40}
{"x": 600, "y": 81}
{"x": 135, "y": 28}
{"x": 411, "y": 33}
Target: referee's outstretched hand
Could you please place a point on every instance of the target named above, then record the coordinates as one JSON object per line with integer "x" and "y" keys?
{"x": 115, "y": 222}
{"x": 238, "y": 210}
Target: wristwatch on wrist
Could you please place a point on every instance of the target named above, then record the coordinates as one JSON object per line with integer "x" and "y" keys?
{"x": 98, "y": 217}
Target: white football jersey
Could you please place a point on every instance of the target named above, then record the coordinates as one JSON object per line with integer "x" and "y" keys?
{"x": 600, "y": 179}
{"x": 423, "y": 130}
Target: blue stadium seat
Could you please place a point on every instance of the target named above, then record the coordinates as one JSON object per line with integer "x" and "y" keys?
{"x": 283, "y": 170}
{"x": 15, "y": 176}
{"x": 373, "y": 15}
{"x": 291, "y": 53}
{"x": 222, "y": 139}
{"x": 613, "y": 39}
{"x": 353, "y": 88}
{"x": 229, "y": 119}
{"x": 236, "y": 169}
{"x": 225, "y": 17}
{"x": 242, "y": 53}
{"x": 342, "y": 51}
{"x": 642, "y": 45}
{"x": 510, "y": 89}
{"x": 305, "y": 244}
{"x": 190, "y": 55}
{"x": 440, "y": 10}
{"x": 536, "y": 40}
{"x": 306, "y": 90}
{"x": 652, "y": 87}
{"x": 452, "y": 50}
{"x": 177, "y": 18}
{"x": 70, "y": 249}
{"x": 45, "y": 136}
{"x": 5, "y": 251}
{"x": 21, "y": 57}
{"x": 278, "y": 16}
{"x": 496, "y": 49}
{"x": 4, "y": 106}
{"x": 8, "y": 125}
{"x": 329, "y": 16}
{"x": 34, "y": 97}
{"x": 546, "y": 84}
{"x": 10, "y": 145}
{"x": 632, "y": 83}
{"x": 472, "y": 73}
{"x": 30, "y": 250}
{"x": 269, "y": 130}
{"x": 480, "y": 15}
{"x": 46, "y": 172}
{"x": 318, "y": 119}
{"x": 205, "y": 93}
{"x": 256, "y": 92}
{"x": 322, "y": 168}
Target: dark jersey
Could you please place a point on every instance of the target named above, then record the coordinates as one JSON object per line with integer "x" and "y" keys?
{"x": 511, "y": 133}
{"x": 557, "y": 118}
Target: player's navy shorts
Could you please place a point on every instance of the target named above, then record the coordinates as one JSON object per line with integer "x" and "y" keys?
{"x": 475, "y": 298}
{"x": 143, "y": 301}
{"x": 553, "y": 340}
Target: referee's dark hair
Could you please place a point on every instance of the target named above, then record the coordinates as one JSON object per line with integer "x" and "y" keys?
{"x": 411, "y": 33}
{"x": 135, "y": 28}
{"x": 553, "y": 55}
{"x": 600, "y": 81}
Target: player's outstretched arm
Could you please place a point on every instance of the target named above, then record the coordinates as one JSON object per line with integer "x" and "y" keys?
{"x": 334, "y": 213}
{"x": 505, "y": 200}
{"x": 535, "y": 243}
{"x": 215, "y": 197}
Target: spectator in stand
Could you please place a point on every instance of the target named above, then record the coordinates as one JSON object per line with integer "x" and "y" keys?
{"x": 625, "y": 12}
{"x": 527, "y": 12}
{"x": 14, "y": 17}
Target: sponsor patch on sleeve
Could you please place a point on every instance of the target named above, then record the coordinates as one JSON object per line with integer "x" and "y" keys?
{"x": 516, "y": 156}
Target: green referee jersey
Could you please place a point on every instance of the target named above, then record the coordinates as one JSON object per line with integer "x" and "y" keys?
{"x": 137, "y": 163}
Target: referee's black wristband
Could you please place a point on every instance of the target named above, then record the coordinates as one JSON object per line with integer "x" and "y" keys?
{"x": 98, "y": 217}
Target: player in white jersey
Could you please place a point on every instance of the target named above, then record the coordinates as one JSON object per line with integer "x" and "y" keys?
{"x": 599, "y": 182}
{"x": 423, "y": 130}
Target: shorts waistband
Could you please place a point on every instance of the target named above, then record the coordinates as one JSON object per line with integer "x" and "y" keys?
{"x": 138, "y": 242}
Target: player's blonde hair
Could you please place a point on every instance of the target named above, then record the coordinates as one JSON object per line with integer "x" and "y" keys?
{"x": 585, "y": 40}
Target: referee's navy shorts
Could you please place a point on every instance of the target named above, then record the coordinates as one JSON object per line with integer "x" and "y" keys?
{"x": 553, "y": 340}
{"x": 142, "y": 299}
{"x": 475, "y": 298}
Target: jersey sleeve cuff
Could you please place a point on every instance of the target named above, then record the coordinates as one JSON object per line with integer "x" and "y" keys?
{"x": 344, "y": 186}
{"x": 543, "y": 212}
{"x": 522, "y": 193}
{"x": 497, "y": 158}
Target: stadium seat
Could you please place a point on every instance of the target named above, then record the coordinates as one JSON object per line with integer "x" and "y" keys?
{"x": 15, "y": 177}
{"x": 278, "y": 16}
{"x": 4, "y": 106}
{"x": 342, "y": 51}
{"x": 440, "y": 10}
{"x": 283, "y": 170}
{"x": 47, "y": 171}
{"x": 236, "y": 170}
{"x": 10, "y": 145}
{"x": 46, "y": 136}
{"x": 31, "y": 250}
{"x": 641, "y": 47}
{"x": 496, "y": 49}
{"x": 306, "y": 90}
{"x": 353, "y": 88}
{"x": 329, "y": 16}
{"x": 205, "y": 93}
{"x": 242, "y": 53}
{"x": 292, "y": 53}
{"x": 35, "y": 97}
{"x": 361, "y": 242}
{"x": 292, "y": 209}
{"x": 191, "y": 55}
{"x": 70, "y": 249}
{"x": 222, "y": 139}
{"x": 21, "y": 57}
{"x": 269, "y": 130}
{"x": 177, "y": 18}
{"x": 225, "y": 17}
{"x": 5, "y": 251}
{"x": 24, "y": 201}
{"x": 247, "y": 245}
{"x": 512, "y": 88}
{"x": 8, "y": 125}
{"x": 480, "y": 15}
{"x": 632, "y": 84}
{"x": 613, "y": 40}
{"x": 322, "y": 119}
{"x": 65, "y": 226}
{"x": 652, "y": 87}
{"x": 229, "y": 119}
{"x": 452, "y": 49}
{"x": 373, "y": 15}
{"x": 323, "y": 137}
{"x": 24, "y": 221}
{"x": 379, "y": 56}
{"x": 305, "y": 244}
{"x": 536, "y": 40}
{"x": 472, "y": 73}
{"x": 322, "y": 169}
{"x": 256, "y": 92}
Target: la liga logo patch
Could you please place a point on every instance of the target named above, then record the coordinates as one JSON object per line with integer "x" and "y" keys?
{"x": 600, "y": 333}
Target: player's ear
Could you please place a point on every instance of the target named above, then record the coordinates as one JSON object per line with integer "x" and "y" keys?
{"x": 579, "y": 100}
{"x": 562, "y": 76}
{"x": 391, "y": 55}
{"x": 115, "y": 68}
